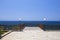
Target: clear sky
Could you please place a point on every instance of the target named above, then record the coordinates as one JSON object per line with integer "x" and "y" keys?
{"x": 29, "y": 10}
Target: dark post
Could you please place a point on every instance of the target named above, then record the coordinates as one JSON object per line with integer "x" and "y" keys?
{"x": 1, "y": 28}
{"x": 42, "y": 27}
{"x": 22, "y": 26}
{"x": 0, "y": 34}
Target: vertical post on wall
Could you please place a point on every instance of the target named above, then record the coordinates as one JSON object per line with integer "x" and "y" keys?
{"x": 41, "y": 26}
{"x": 0, "y": 34}
{"x": 22, "y": 26}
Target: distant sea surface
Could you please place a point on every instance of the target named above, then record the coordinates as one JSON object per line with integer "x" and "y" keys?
{"x": 47, "y": 24}
{"x": 29, "y": 22}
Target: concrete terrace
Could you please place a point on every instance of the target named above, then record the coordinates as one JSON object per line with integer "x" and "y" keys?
{"x": 33, "y": 33}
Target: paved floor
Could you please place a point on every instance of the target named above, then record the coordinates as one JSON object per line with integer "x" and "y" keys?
{"x": 33, "y": 33}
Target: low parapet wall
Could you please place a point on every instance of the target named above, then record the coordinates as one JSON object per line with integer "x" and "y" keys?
{"x": 6, "y": 33}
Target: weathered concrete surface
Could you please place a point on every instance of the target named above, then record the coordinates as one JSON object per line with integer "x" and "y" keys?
{"x": 33, "y": 33}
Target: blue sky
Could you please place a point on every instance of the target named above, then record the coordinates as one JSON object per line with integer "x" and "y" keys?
{"x": 29, "y": 10}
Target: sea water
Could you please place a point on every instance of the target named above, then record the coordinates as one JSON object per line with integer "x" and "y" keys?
{"x": 47, "y": 24}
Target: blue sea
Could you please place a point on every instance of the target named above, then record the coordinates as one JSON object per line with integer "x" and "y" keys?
{"x": 29, "y": 22}
{"x": 47, "y": 24}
